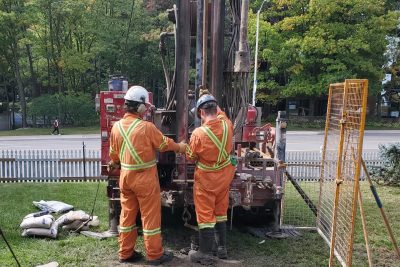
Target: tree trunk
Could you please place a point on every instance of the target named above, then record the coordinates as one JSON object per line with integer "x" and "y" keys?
{"x": 371, "y": 105}
{"x": 123, "y": 69}
{"x": 47, "y": 58}
{"x": 59, "y": 48}
{"x": 33, "y": 80}
{"x": 379, "y": 103}
{"x": 21, "y": 92}
{"x": 5, "y": 89}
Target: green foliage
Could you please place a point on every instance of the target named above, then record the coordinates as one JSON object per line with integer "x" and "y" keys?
{"x": 78, "y": 109}
{"x": 3, "y": 106}
{"x": 76, "y": 45}
{"x": 389, "y": 173}
{"x": 75, "y": 108}
{"x": 306, "y": 45}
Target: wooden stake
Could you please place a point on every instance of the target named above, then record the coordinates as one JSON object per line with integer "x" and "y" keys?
{"x": 364, "y": 225}
{"x": 363, "y": 221}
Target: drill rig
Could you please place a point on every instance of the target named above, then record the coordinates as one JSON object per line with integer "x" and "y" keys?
{"x": 209, "y": 38}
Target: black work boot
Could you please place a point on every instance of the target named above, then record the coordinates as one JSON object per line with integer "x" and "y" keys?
{"x": 204, "y": 254}
{"x": 135, "y": 257}
{"x": 167, "y": 256}
{"x": 220, "y": 238}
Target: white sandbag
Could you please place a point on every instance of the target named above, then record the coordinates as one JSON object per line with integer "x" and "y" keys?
{"x": 50, "y": 264}
{"x": 53, "y": 206}
{"x": 75, "y": 225}
{"x": 78, "y": 215}
{"x": 52, "y": 232}
{"x": 36, "y": 214}
{"x": 37, "y": 222}
{"x": 94, "y": 222}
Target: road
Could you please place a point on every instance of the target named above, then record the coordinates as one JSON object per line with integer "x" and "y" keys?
{"x": 72, "y": 142}
{"x": 296, "y": 141}
{"x": 312, "y": 140}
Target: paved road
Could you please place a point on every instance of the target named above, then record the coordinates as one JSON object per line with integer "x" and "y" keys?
{"x": 312, "y": 140}
{"x": 296, "y": 141}
{"x": 92, "y": 141}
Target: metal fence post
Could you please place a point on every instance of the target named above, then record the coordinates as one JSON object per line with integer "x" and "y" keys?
{"x": 280, "y": 157}
{"x": 84, "y": 160}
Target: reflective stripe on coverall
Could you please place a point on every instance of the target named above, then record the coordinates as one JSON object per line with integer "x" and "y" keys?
{"x": 214, "y": 171}
{"x": 134, "y": 142}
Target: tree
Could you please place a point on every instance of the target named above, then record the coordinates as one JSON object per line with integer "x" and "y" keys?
{"x": 72, "y": 46}
{"x": 12, "y": 29}
{"x": 306, "y": 45}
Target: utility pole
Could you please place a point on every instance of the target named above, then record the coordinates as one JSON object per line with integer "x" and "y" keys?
{"x": 256, "y": 54}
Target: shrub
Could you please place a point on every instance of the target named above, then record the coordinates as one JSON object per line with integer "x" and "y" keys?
{"x": 75, "y": 109}
{"x": 389, "y": 172}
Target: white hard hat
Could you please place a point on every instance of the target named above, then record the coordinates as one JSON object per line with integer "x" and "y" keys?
{"x": 138, "y": 94}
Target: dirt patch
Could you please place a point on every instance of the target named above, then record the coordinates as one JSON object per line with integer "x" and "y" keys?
{"x": 385, "y": 257}
{"x": 178, "y": 260}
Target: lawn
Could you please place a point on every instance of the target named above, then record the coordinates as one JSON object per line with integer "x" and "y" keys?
{"x": 76, "y": 250}
{"x": 47, "y": 131}
{"x": 297, "y": 213}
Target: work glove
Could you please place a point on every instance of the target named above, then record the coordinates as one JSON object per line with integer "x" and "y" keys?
{"x": 203, "y": 91}
{"x": 113, "y": 165}
{"x": 182, "y": 148}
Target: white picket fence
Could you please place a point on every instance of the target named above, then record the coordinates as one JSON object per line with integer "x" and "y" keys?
{"x": 59, "y": 165}
{"x": 49, "y": 165}
{"x": 306, "y": 164}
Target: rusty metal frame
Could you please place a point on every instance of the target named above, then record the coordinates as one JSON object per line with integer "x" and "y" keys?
{"x": 328, "y": 116}
{"x": 338, "y": 180}
{"x": 358, "y": 163}
{"x": 335, "y": 222}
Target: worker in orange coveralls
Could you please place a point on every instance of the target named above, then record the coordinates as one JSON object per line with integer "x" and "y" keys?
{"x": 133, "y": 145}
{"x": 211, "y": 146}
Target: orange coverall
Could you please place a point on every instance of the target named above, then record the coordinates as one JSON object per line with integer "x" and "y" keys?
{"x": 214, "y": 171}
{"x": 134, "y": 142}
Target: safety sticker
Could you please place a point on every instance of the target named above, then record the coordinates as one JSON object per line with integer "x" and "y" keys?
{"x": 108, "y": 100}
{"x": 119, "y": 96}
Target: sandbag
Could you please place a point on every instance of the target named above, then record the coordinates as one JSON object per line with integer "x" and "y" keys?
{"x": 52, "y": 232}
{"x": 78, "y": 215}
{"x": 95, "y": 221}
{"x": 75, "y": 225}
{"x": 50, "y": 264}
{"x": 53, "y": 206}
{"x": 36, "y": 214}
{"x": 37, "y": 222}
{"x": 78, "y": 224}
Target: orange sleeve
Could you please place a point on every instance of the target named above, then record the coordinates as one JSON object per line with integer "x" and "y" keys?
{"x": 114, "y": 149}
{"x": 160, "y": 141}
{"x": 192, "y": 147}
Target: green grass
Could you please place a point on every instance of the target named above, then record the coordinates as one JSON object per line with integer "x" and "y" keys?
{"x": 47, "y": 131}
{"x": 297, "y": 213}
{"x": 72, "y": 250}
